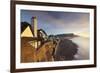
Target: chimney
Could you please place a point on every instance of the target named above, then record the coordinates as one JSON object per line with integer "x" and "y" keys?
{"x": 34, "y": 26}
{"x": 34, "y": 29}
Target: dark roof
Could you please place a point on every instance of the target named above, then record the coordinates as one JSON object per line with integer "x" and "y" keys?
{"x": 41, "y": 30}
{"x": 24, "y": 25}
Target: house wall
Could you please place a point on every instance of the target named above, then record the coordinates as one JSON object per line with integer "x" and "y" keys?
{"x": 27, "y": 33}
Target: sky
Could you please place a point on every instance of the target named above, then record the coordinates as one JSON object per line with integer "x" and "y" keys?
{"x": 58, "y": 22}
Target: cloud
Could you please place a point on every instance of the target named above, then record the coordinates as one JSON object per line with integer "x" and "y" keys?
{"x": 58, "y": 21}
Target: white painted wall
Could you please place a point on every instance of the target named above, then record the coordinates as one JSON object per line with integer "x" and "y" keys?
{"x": 5, "y": 36}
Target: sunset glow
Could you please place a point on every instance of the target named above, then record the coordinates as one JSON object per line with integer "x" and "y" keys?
{"x": 83, "y": 34}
